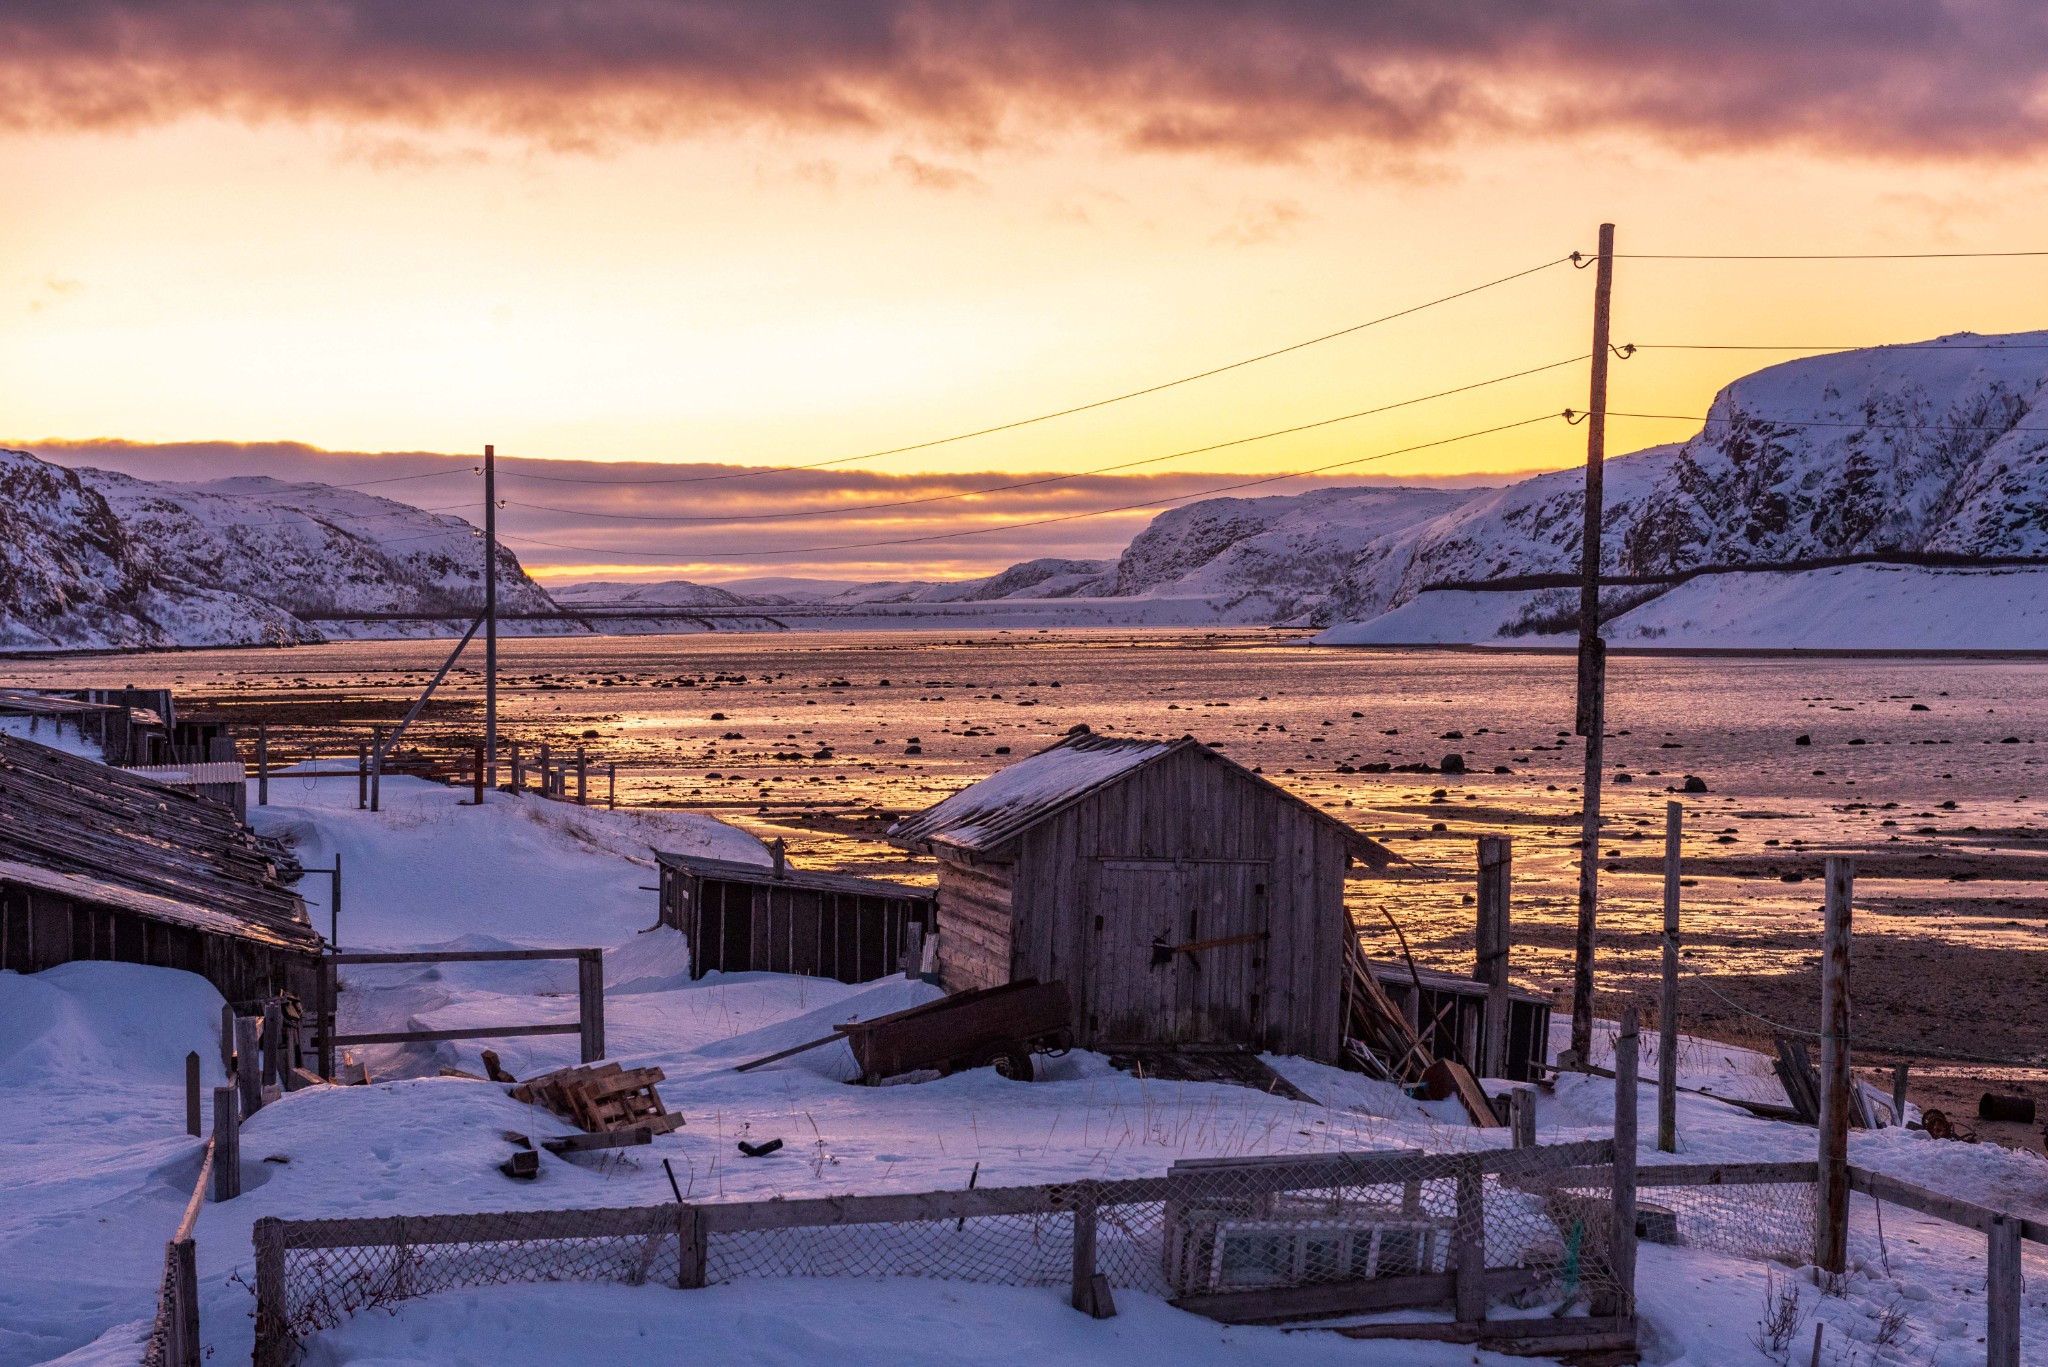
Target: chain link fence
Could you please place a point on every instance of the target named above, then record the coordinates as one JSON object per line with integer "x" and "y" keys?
{"x": 1241, "y": 1240}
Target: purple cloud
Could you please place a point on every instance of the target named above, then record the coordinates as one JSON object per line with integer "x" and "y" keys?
{"x": 1885, "y": 77}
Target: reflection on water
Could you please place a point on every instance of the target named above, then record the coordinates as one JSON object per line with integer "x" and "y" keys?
{"x": 820, "y": 737}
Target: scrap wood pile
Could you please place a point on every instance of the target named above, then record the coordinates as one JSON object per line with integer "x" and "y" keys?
{"x": 602, "y": 1097}
{"x": 1379, "y": 1039}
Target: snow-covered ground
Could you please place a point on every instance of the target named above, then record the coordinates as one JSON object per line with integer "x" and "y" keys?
{"x": 1848, "y": 607}
{"x": 93, "y": 1054}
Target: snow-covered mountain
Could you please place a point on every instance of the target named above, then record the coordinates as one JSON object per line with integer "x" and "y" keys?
{"x": 90, "y": 558}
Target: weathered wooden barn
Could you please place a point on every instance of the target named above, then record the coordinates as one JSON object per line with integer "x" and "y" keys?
{"x": 778, "y": 919}
{"x": 100, "y": 864}
{"x": 1182, "y": 898}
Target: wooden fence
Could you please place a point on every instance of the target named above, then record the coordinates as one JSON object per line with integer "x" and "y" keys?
{"x": 1422, "y": 1241}
{"x": 588, "y": 1026}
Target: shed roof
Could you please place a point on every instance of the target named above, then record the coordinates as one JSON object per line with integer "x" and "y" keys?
{"x": 764, "y": 875}
{"x": 169, "y": 852}
{"x": 986, "y": 816}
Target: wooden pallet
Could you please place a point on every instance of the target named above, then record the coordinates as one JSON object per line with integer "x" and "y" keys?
{"x": 602, "y": 1097}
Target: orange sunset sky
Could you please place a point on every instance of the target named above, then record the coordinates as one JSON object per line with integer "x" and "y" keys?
{"x": 780, "y": 234}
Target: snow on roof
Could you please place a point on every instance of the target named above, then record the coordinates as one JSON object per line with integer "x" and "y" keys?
{"x": 986, "y": 814}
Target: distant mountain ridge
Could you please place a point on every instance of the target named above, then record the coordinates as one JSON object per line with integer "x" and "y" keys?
{"x": 94, "y": 559}
{"x": 1930, "y": 447}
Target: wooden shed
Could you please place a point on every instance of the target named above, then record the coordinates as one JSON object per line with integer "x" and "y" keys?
{"x": 778, "y": 919}
{"x": 100, "y": 864}
{"x": 1182, "y": 898}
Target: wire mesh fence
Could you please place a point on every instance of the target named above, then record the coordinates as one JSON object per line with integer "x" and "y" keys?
{"x": 1238, "y": 1239}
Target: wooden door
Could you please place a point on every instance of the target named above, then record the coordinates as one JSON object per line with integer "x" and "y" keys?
{"x": 1222, "y": 990}
{"x": 1133, "y": 903}
{"x": 1141, "y": 907}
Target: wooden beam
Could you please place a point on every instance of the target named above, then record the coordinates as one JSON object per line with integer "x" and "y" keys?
{"x": 1496, "y": 856}
{"x": 480, "y": 1032}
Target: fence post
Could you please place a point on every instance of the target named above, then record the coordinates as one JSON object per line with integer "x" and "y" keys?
{"x": 227, "y": 1146}
{"x": 192, "y": 1094}
{"x": 1496, "y": 853}
{"x": 184, "y": 1344}
{"x": 249, "y": 1064}
{"x": 334, "y": 904}
{"x": 362, "y": 776}
{"x": 262, "y": 764}
{"x": 582, "y": 778}
{"x": 518, "y": 771}
{"x": 1667, "y": 1005}
{"x": 227, "y": 1039}
{"x": 328, "y": 1012}
{"x": 2002, "y": 1293}
{"x": 544, "y": 770}
{"x": 273, "y": 1332}
{"x": 1522, "y": 1117}
{"x": 479, "y": 776}
{"x": 275, "y": 1068}
{"x": 1622, "y": 1237}
{"x": 1469, "y": 1254}
{"x": 1090, "y": 1289}
{"x": 692, "y": 1248}
{"x": 590, "y": 1002}
{"x": 611, "y": 787}
{"x": 376, "y": 766}
{"x": 1831, "y": 1224}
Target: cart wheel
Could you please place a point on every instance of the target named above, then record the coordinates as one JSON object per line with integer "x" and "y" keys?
{"x": 1012, "y": 1061}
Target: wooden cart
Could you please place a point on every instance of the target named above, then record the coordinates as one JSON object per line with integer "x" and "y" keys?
{"x": 1003, "y": 1026}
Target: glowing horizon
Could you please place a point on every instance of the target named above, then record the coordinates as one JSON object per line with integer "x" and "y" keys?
{"x": 785, "y": 236}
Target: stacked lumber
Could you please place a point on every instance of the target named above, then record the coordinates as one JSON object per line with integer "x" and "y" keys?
{"x": 602, "y": 1097}
{"x": 1376, "y": 1033}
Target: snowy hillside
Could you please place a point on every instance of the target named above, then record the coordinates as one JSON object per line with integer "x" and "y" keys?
{"x": 1914, "y": 449}
{"x": 90, "y": 558}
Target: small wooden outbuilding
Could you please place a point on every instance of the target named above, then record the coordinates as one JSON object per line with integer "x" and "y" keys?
{"x": 96, "y": 863}
{"x": 1183, "y": 899}
{"x": 774, "y": 918}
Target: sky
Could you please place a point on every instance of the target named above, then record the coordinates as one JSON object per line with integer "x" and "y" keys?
{"x": 707, "y": 238}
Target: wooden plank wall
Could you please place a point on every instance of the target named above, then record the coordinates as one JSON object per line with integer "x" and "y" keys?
{"x": 40, "y": 929}
{"x": 753, "y": 927}
{"x": 975, "y": 939}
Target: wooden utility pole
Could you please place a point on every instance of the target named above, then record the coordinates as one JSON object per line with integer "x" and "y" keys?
{"x": 1667, "y": 1005}
{"x": 1831, "y": 1225}
{"x": 1496, "y": 862}
{"x": 491, "y": 616}
{"x": 1592, "y": 709}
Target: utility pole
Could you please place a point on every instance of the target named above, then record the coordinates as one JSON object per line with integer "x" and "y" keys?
{"x": 1592, "y": 708}
{"x": 491, "y": 614}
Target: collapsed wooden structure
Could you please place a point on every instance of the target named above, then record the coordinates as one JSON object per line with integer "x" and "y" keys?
{"x": 1185, "y": 900}
{"x": 100, "y": 864}
{"x": 775, "y": 918}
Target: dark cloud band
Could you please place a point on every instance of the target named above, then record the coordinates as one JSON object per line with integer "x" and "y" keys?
{"x": 1887, "y": 77}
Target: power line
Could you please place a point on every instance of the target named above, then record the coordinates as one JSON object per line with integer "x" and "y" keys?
{"x": 1063, "y": 412}
{"x": 1815, "y": 256}
{"x": 1047, "y": 479}
{"x": 1825, "y": 422}
{"x": 1860, "y": 346}
{"x": 1039, "y": 522}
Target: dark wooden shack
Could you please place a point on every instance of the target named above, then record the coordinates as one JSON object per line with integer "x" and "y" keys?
{"x": 100, "y": 864}
{"x": 1183, "y": 899}
{"x": 1449, "y": 1014}
{"x": 775, "y": 918}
